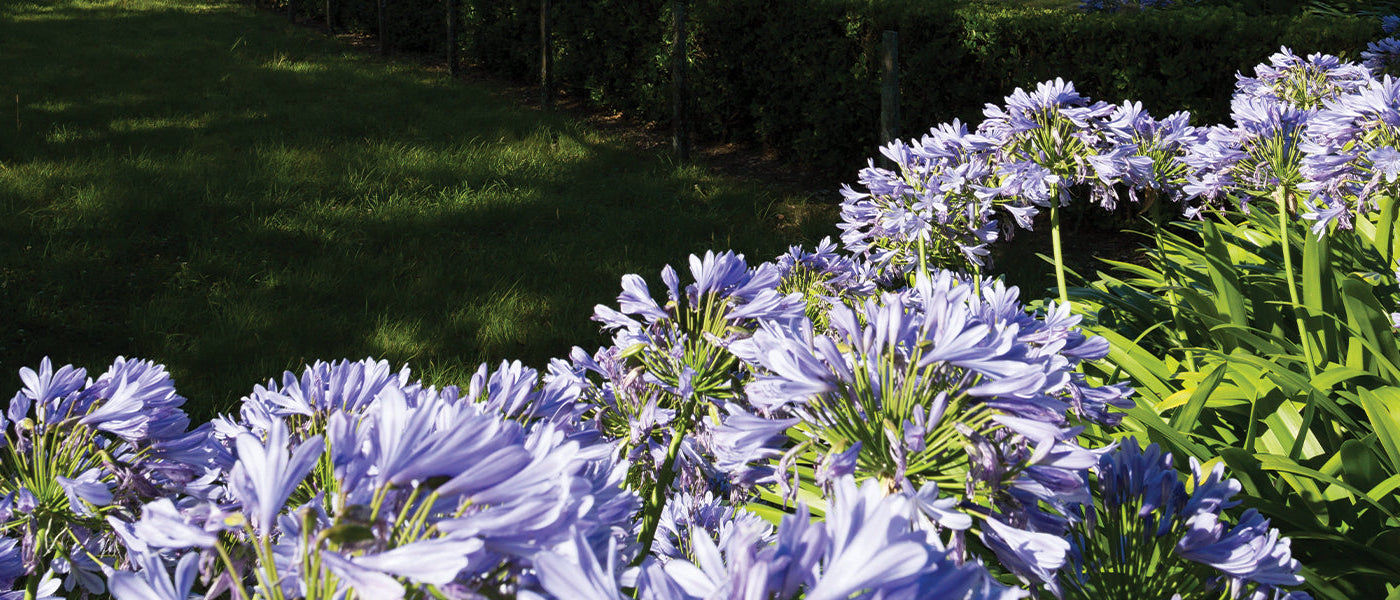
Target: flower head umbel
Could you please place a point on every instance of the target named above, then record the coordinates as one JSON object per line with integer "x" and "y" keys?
{"x": 1263, "y": 153}
{"x": 935, "y": 207}
{"x": 78, "y": 449}
{"x": 1044, "y": 141}
{"x": 1147, "y": 151}
{"x": 824, "y": 277}
{"x": 677, "y": 358}
{"x": 1382, "y": 57}
{"x": 1146, "y": 530}
{"x": 1305, "y": 83}
{"x": 1351, "y": 155}
{"x": 936, "y": 385}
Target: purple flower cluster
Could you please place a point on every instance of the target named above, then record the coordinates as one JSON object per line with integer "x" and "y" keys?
{"x": 671, "y": 361}
{"x": 949, "y": 392}
{"x": 1113, "y": 6}
{"x": 870, "y": 545}
{"x": 1316, "y": 126}
{"x": 944, "y": 202}
{"x": 349, "y": 477}
{"x": 1383, "y": 56}
{"x": 938, "y": 203}
{"x": 1262, "y": 153}
{"x": 78, "y": 450}
{"x": 1351, "y": 155}
{"x": 1312, "y": 125}
{"x": 933, "y": 432}
{"x": 1145, "y": 510}
{"x": 938, "y": 388}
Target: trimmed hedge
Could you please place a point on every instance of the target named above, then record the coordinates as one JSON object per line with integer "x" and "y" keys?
{"x": 802, "y": 76}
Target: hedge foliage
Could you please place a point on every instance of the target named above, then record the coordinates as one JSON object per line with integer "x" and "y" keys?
{"x": 802, "y": 76}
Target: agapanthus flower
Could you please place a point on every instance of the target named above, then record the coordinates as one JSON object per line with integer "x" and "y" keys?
{"x": 824, "y": 277}
{"x": 870, "y": 543}
{"x": 80, "y": 449}
{"x": 1259, "y": 156}
{"x": 153, "y": 582}
{"x": 520, "y": 392}
{"x": 686, "y": 514}
{"x": 690, "y": 331}
{"x": 1382, "y": 57}
{"x": 388, "y": 483}
{"x": 1044, "y": 140}
{"x": 322, "y": 388}
{"x": 1303, "y": 83}
{"x": 1351, "y": 158}
{"x": 678, "y": 363}
{"x": 268, "y": 471}
{"x": 1273, "y": 112}
{"x": 936, "y": 385}
{"x": 1145, "y": 530}
{"x": 933, "y": 208}
{"x": 1147, "y": 152}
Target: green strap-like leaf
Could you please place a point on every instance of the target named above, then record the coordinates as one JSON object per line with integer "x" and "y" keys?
{"x": 1320, "y": 298}
{"x": 1185, "y": 419}
{"x": 1377, "y": 404}
{"x": 1366, "y": 317}
{"x": 1282, "y": 464}
{"x": 1145, "y": 369}
{"x": 1228, "y": 297}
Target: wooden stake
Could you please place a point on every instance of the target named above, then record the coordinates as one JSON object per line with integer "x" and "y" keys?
{"x": 680, "y": 139}
{"x": 452, "y": 37}
{"x": 546, "y": 57}
{"x": 383, "y": 31}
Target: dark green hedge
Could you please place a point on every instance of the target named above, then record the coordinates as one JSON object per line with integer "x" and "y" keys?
{"x": 802, "y": 76}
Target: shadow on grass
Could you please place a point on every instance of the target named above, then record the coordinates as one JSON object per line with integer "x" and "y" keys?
{"x": 213, "y": 189}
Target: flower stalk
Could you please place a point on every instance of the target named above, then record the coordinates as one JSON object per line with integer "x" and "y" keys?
{"x": 1055, "y": 248}
{"x": 1282, "y": 198}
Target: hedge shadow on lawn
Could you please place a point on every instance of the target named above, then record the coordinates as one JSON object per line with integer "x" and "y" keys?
{"x": 233, "y": 197}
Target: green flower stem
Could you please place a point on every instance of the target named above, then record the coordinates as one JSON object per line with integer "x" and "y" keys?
{"x": 31, "y": 588}
{"x": 923, "y": 257}
{"x": 235, "y": 578}
{"x": 1055, "y": 248}
{"x": 657, "y": 495}
{"x": 1281, "y": 198}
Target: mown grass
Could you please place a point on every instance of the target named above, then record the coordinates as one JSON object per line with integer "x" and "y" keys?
{"x": 210, "y": 187}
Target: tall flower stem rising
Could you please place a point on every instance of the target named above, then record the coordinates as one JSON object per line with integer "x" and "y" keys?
{"x": 656, "y": 497}
{"x": 1282, "y": 198}
{"x": 1055, "y": 248}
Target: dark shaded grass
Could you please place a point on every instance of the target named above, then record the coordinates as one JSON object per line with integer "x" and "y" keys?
{"x": 214, "y": 189}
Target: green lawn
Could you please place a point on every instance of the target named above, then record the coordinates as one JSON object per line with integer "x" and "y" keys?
{"x": 210, "y": 187}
